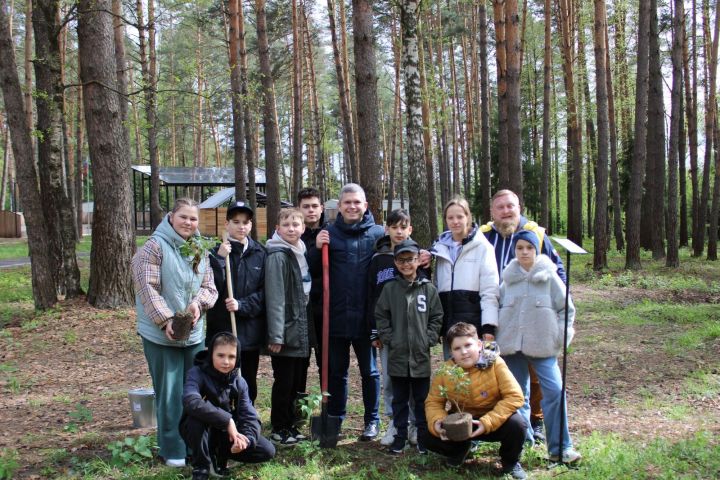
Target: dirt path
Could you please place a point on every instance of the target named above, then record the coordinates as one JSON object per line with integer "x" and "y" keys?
{"x": 618, "y": 381}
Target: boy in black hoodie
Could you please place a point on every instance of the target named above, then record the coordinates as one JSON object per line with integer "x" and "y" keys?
{"x": 219, "y": 421}
{"x": 247, "y": 274}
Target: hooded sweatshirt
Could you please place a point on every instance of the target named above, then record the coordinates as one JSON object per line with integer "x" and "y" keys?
{"x": 213, "y": 397}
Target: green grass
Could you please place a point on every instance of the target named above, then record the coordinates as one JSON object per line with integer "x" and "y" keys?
{"x": 11, "y": 249}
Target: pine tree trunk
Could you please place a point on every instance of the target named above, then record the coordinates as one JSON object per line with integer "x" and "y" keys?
{"x": 614, "y": 174}
{"x": 691, "y": 100}
{"x": 484, "y": 173}
{"x": 316, "y": 174}
{"x": 502, "y": 93}
{"x": 237, "y": 101}
{"x": 59, "y": 211}
{"x": 297, "y": 132}
{"x": 574, "y": 176}
{"x": 345, "y": 113}
{"x": 148, "y": 70}
{"x": 547, "y": 80}
{"x": 79, "y": 171}
{"x": 591, "y": 146}
{"x": 601, "y": 173}
{"x": 367, "y": 105}
{"x": 250, "y": 126}
{"x": 28, "y": 68}
{"x": 272, "y": 164}
{"x": 417, "y": 177}
{"x": 653, "y": 221}
{"x": 43, "y": 287}
{"x": 672, "y": 259}
{"x": 637, "y": 172}
{"x": 397, "y": 112}
{"x": 514, "y": 137}
{"x": 427, "y": 143}
{"x": 113, "y": 240}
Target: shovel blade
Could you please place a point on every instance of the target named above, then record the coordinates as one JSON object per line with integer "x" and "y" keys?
{"x": 326, "y": 430}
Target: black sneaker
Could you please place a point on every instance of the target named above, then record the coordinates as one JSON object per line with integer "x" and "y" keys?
{"x": 283, "y": 438}
{"x": 515, "y": 471}
{"x": 422, "y": 450}
{"x": 398, "y": 446}
{"x": 297, "y": 434}
{"x": 538, "y": 432}
{"x": 218, "y": 468}
{"x": 371, "y": 432}
{"x": 200, "y": 474}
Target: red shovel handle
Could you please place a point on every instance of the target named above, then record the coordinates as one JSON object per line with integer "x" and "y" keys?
{"x": 326, "y": 319}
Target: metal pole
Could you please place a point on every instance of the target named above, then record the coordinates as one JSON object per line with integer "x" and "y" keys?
{"x": 564, "y": 361}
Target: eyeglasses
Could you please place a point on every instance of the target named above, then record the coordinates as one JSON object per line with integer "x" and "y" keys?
{"x": 405, "y": 261}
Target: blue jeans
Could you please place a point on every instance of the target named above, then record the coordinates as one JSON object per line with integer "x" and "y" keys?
{"x": 548, "y": 373}
{"x": 338, "y": 365}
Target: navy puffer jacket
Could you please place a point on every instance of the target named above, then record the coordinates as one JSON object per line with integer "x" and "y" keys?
{"x": 352, "y": 246}
{"x": 213, "y": 397}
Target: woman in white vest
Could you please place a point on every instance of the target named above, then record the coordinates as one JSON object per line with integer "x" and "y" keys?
{"x": 171, "y": 278}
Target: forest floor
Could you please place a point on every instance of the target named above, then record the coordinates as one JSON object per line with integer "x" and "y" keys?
{"x": 643, "y": 389}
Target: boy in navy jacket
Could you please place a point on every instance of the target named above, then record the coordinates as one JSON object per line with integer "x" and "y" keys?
{"x": 219, "y": 421}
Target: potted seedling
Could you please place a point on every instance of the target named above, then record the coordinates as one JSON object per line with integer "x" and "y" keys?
{"x": 458, "y": 425}
{"x": 194, "y": 250}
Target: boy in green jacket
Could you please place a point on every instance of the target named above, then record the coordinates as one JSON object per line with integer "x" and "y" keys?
{"x": 287, "y": 292}
{"x": 409, "y": 317}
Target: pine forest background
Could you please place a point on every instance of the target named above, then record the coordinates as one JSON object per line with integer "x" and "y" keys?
{"x": 600, "y": 115}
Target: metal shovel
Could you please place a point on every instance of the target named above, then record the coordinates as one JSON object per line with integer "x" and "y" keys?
{"x": 326, "y": 427}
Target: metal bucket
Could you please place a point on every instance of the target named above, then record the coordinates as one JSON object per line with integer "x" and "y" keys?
{"x": 142, "y": 406}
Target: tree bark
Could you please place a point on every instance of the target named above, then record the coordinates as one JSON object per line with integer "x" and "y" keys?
{"x": 272, "y": 170}
{"x": 237, "y": 101}
{"x": 427, "y": 143}
{"x": 367, "y": 105}
{"x": 484, "y": 174}
{"x": 43, "y": 285}
{"x": 417, "y": 178}
{"x": 514, "y": 137}
{"x": 547, "y": 79}
{"x": 601, "y": 173}
{"x": 297, "y": 132}
{"x": 691, "y": 101}
{"x": 652, "y": 221}
{"x": 614, "y": 173}
{"x": 345, "y": 113}
{"x": 113, "y": 240}
{"x": 637, "y": 173}
{"x": 59, "y": 211}
{"x": 672, "y": 259}
{"x": 574, "y": 176}
{"x": 502, "y": 93}
{"x": 149, "y": 88}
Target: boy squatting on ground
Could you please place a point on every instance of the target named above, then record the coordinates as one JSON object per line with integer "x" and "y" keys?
{"x": 218, "y": 421}
{"x": 382, "y": 270}
{"x": 493, "y": 399}
{"x": 247, "y": 273}
{"x": 409, "y": 317}
{"x": 289, "y": 338}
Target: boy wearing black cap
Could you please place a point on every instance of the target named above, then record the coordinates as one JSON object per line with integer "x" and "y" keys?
{"x": 409, "y": 317}
{"x": 247, "y": 273}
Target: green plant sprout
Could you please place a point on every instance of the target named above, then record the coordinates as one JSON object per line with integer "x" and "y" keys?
{"x": 460, "y": 381}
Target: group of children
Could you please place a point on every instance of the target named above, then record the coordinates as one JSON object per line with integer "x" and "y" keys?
{"x": 271, "y": 292}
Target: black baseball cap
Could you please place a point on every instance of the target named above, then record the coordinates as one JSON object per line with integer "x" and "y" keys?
{"x": 406, "y": 246}
{"x": 236, "y": 207}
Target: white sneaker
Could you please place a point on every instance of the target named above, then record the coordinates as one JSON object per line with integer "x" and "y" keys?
{"x": 175, "y": 462}
{"x": 389, "y": 437}
{"x": 412, "y": 434}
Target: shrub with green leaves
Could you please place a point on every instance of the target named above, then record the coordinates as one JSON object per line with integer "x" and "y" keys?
{"x": 132, "y": 450}
{"x": 460, "y": 381}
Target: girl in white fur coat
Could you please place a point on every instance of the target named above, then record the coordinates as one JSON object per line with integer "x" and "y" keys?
{"x": 530, "y": 331}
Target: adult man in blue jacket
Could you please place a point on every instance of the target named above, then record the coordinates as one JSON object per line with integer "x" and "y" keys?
{"x": 507, "y": 221}
{"x": 351, "y": 239}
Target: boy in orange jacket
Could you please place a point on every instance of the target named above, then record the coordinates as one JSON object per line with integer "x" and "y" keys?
{"x": 493, "y": 399}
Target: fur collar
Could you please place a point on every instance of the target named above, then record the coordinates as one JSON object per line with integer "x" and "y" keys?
{"x": 541, "y": 272}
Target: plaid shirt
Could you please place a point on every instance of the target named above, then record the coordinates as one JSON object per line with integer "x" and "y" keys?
{"x": 146, "y": 276}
